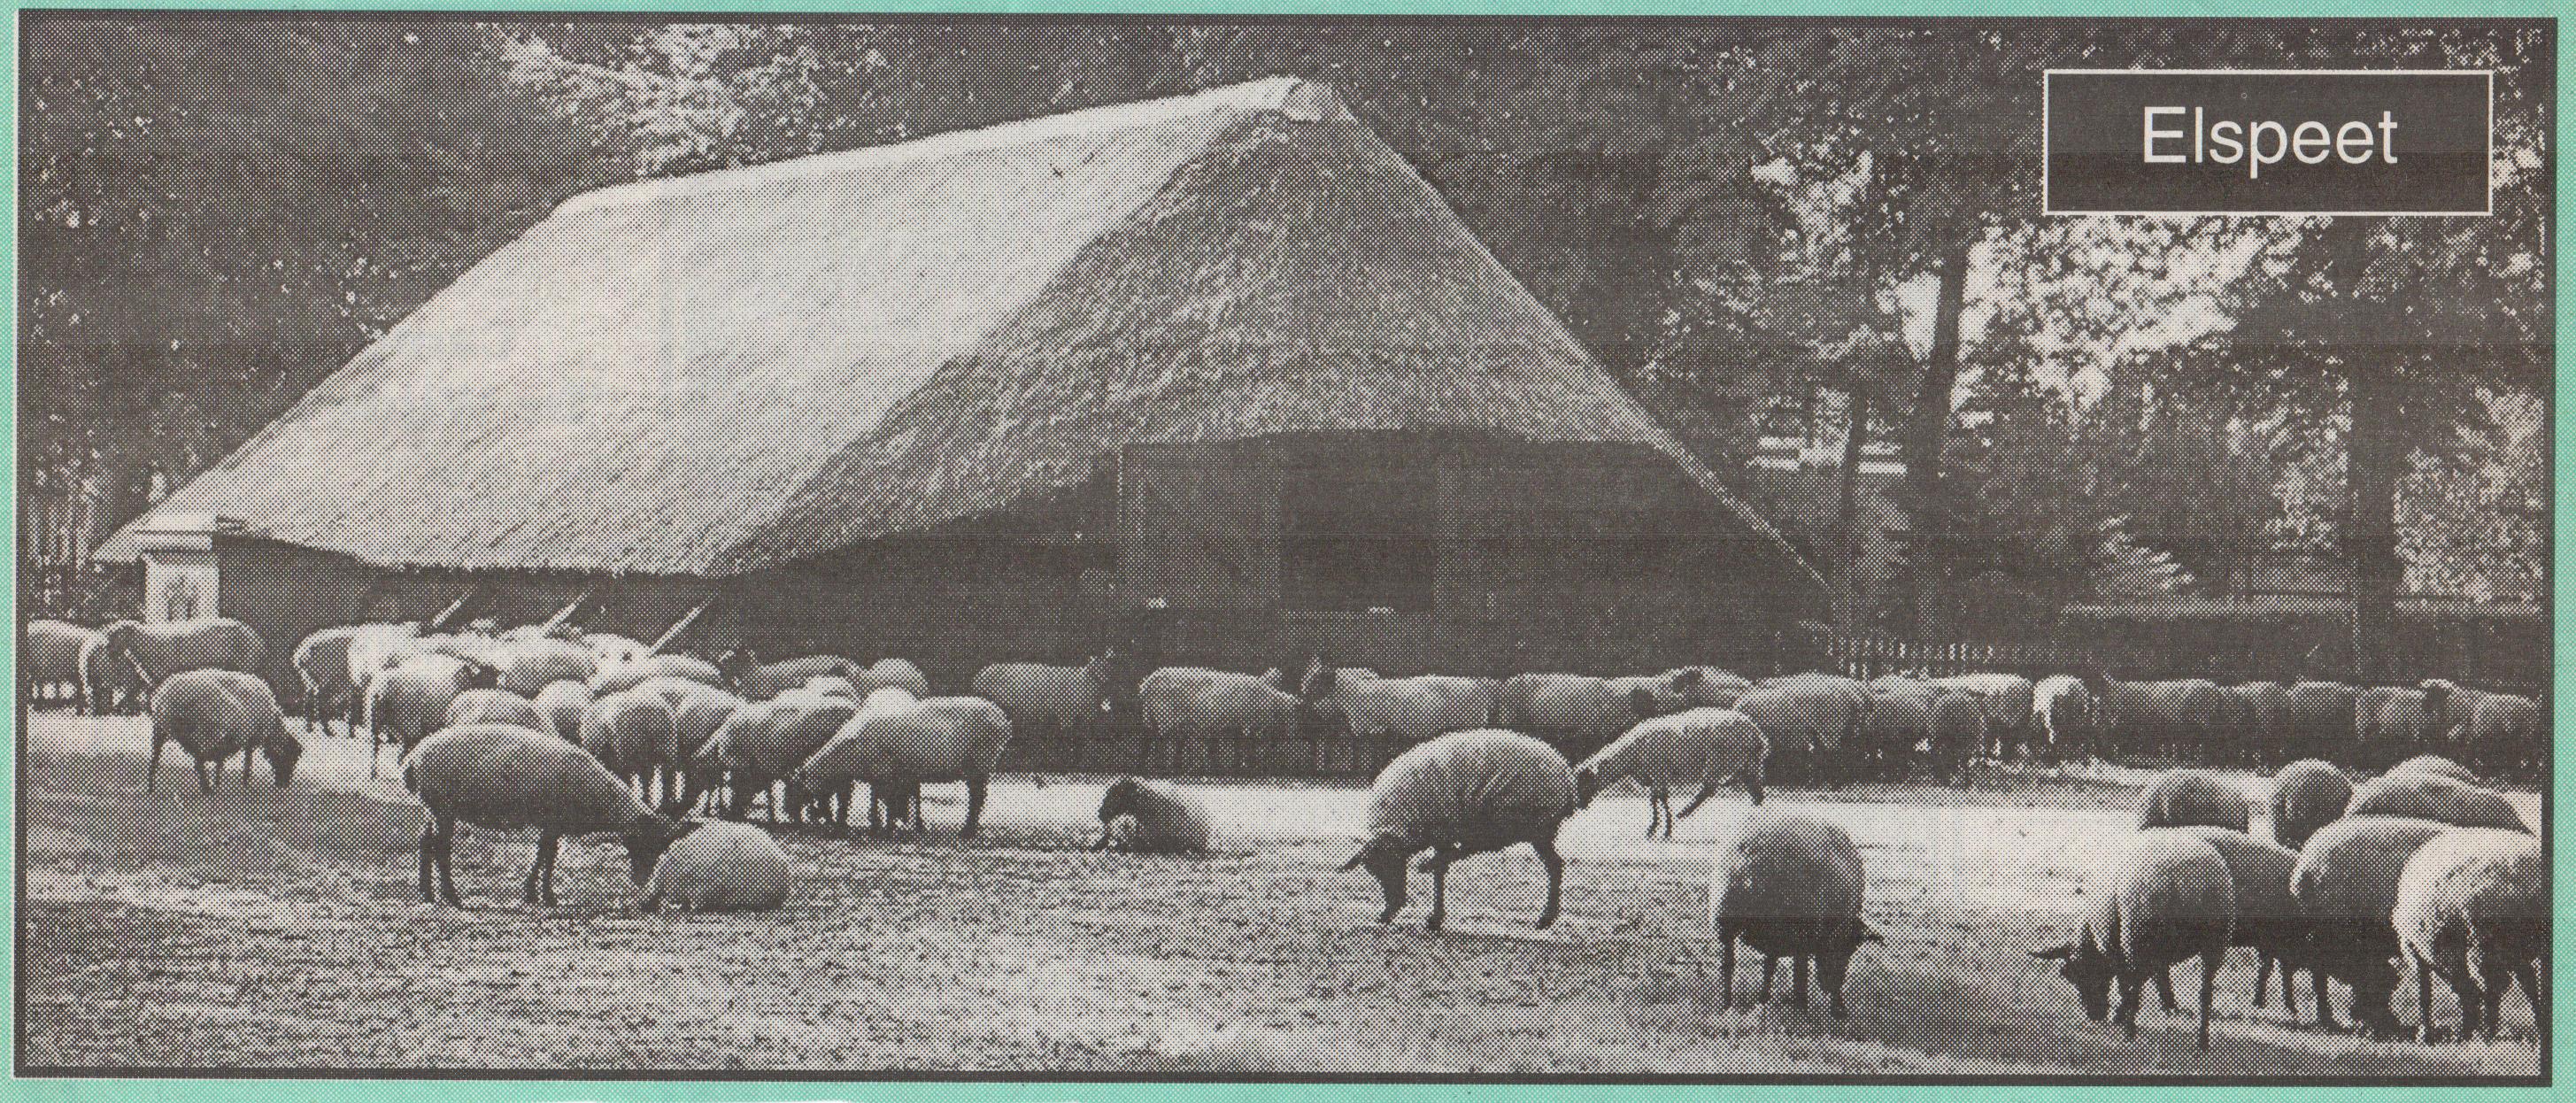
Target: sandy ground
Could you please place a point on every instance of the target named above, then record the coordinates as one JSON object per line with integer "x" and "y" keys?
{"x": 282, "y": 929}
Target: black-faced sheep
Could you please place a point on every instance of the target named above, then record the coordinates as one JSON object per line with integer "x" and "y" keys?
{"x": 216, "y": 714}
{"x": 2181, "y": 798}
{"x": 1790, "y": 886}
{"x": 1958, "y": 729}
{"x": 721, "y": 867}
{"x": 901, "y": 745}
{"x": 1151, "y": 817}
{"x": 1708, "y": 687}
{"x": 2437, "y": 798}
{"x": 2163, "y": 898}
{"x": 2346, "y": 884}
{"x": 1703, "y": 747}
{"x": 2307, "y": 795}
{"x": 506, "y": 778}
{"x": 2473, "y": 906}
{"x": 1461, "y": 795}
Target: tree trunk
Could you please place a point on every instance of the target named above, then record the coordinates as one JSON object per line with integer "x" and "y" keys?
{"x": 1927, "y": 427}
{"x": 2370, "y": 540}
{"x": 1855, "y": 435}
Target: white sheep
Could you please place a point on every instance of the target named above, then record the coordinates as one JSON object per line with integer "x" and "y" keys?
{"x": 1790, "y": 886}
{"x": 2437, "y": 766}
{"x": 2346, "y": 885}
{"x": 721, "y": 867}
{"x": 506, "y": 778}
{"x": 2182, "y": 798}
{"x": 2163, "y": 898}
{"x": 2435, "y": 797}
{"x": 2473, "y": 906}
{"x": 495, "y": 706}
{"x": 1461, "y": 795}
{"x": 1706, "y": 747}
{"x": 897, "y": 747}
{"x": 1149, "y": 817}
{"x": 2307, "y": 795}
{"x": 216, "y": 714}
{"x": 563, "y": 704}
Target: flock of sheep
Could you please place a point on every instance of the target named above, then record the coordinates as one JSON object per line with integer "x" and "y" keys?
{"x": 581, "y": 734}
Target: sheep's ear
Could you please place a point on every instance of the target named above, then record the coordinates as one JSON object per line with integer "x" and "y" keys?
{"x": 1641, "y": 700}
{"x": 1356, "y": 859}
{"x": 1688, "y": 677}
{"x": 2059, "y": 952}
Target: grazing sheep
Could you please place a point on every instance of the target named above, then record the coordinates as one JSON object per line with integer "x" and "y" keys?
{"x": 2307, "y": 795}
{"x": 2436, "y": 798}
{"x": 495, "y": 706}
{"x": 2066, "y": 710}
{"x": 409, "y": 703}
{"x": 2182, "y": 798}
{"x": 1411, "y": 709}
{"x": 529, "y": 666}
{"x": 721, "y": 867}
{"x": 2435, "y": 765}
{"x": 1811, "y": 719}
{"x": 628, "y": 675}
{"x": 1460, "y": 795}
{"x": 1709, "y": 747}
{"x": 1151, "y": 817}
{"x": 1958, "y": 729}
{"x": 2346, "y": 885}
{"x": 1046, "y": 701}
{"x": 2009, "y": 703}
{"x": 900, "y": 745}
{"x": 2321, "y": 721}
{"x": 764, "y": 741}
{"x": 2268, "y": 918}
{"x": 50, "y": 657}
{"x": 1572, "y": 710}
{"x": 216, "y": 714}
{"x": 635, "y": 735}
{"x": 1898, "y": 720}
{"x": 2500, "y": 730}
{"x": 2473, "y": 906}
{"x": 759, "y": 681}
{"x": 109, "y": 682}
{"x": 2163, "y": 898}
{"x": 1790, "y": 886}
{"x": 506, "y": 778}
{"x": 1708, "y": 687}
{"x": 2265, "y": 707}
{"x": 2391, "y": 722}
{"x": 1215, "y": 706}
{"x": 563, "y": 704}
{"x": 2188, "y": 716}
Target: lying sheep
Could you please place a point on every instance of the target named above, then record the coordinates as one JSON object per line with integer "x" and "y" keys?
{"x": 903, "y": 745}
{"x": 216, "y": 714}
{"x": 2182, "y": 798}
{"x": 2346, "y": 885}
{"x": 635, "y": 736}
{"x": 507, "y": 778}
{"x": 408, "y": 703}
{"x": 563, "y": 704}
{"x": 1707, "y": 747}
{"x": 1790, "y": 886}
{"x": 1046, "y": 701}
{"x": 2164, "y": 898}
{"x": 2437, "y": 798}
{"x": 1151, "y": 817}
{"x": 2268, "y": 918}
{"x": 2307, "y": 795}
{"x": 1461, "y": 795}
{"x": 1217, "y": 707}
{"x": 49, "y": 657}
{"x": 2437, "y": 766}
{"x": 495, "y": 706}
{"x": 628, "y": 675}
{"x": 2473, "y": 906}
{"x": 721, "y": 867}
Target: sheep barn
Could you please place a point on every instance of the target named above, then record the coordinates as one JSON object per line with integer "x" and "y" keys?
{"x": 1221, "y": 370}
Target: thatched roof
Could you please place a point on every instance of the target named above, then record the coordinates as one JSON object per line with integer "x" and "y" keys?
{"x": 719, "y": 373}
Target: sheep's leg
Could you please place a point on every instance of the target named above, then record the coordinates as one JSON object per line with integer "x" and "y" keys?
{"x": 2263, "y": 980}
{"x": 1726, "y": 971}
{"x": 154, "y": 769}
{"x": 1555, "y": 864}
{"x": 974, "y": 806}
{"x": 428, "y": 858}
{"x": 1770, "y": 963}
{"x": 2289, "y": 991}
{"x": 246, "y": 767}
{"x": 1798, "y": 980}
{"x": 540, "y": 888}
{"x": 2165, "y": 992}
{"x": 204, "y": 783}
{"x": 2130, "y": 983}
{"x": 2325, "y": 1006}
{"x": 2424, "y": 1001}
{"x": 1439, "y": 890}
{"x": 2209, "y": 966}
{"x": 447, "y": 862}
{"x": 2526, "y": 974}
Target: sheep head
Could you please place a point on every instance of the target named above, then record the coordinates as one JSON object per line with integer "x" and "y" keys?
{"x": 1120, "y": 798}
{"x": 1587, "y": 784}
{"x": 2087, "y": 969}
{"x": 648, "y": 838}
{"x": 1384, "y": 857}
{"x": 283, "y": 751}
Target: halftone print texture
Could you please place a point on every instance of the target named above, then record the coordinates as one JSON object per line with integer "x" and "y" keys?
{"x": 1260, "y": 550}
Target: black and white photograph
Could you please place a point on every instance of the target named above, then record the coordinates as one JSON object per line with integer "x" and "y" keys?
{"x": 1048, "y": 547}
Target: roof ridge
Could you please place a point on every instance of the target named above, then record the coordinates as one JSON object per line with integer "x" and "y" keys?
{"x": 1295, "y": 97}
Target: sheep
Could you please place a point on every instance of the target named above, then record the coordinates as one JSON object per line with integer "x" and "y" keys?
{"x": 1790, "y": 886}
{"x": 2009, "y": 703}
{"x": 2066, "y": 710}
{"x": 1574, "y": 710}
{"x": 832, "y": 685}
{"x": 764, "y": 741}
{"x": 1410, "y": 709}
{"x": 216, "y": 714}
{"x": 2321, "y": 719}
{"x": 2179, "y": 716}
{"x": 2500, "y": 730}
{"x": 897, "y": 673}
{"x": 504, "y": 777}
{"x": 2268, "y": 918}
{"x": 2346, "y": 885}
{"x": 1958, "y": 729}
{"x": 2265, "y": 707}
{"x": 529, "y": 666}
{"x": 1216, "y": 706}
{"x": 2435, "y": 765}
{"x": 50, "y": 657}
{"x": 892, "y": 744}
{"x": 721, "y": 867}
{"x": 1708, "y": 687}
{"x": 1046, "y": 701}
{"x": 636, "y": 736}
{"x": 2163, "y": 898}
{"x": 170, "y": 647}
{"x": 2473, "y": 906}
{"x": 1708, "y": 746}
{"x": 1460, "y": 795}
{"x": 2391, "y": 722}
{"x": 1810, "y": 718}
{"x": 321, "y": 661}
{"x": 628, "y": 675}
{"x": 697, "y": 709}
{"x": 2307, "y": 795}
{"x": 495, "y": 706}
{"x": 1656, "y": 694}
{"x": 109, "y": 681}
{"x": 409, "y": 702}
{"x": 2182, "y": 798}
{"x": 1151, "y": 817}
{"x": 563, "y": 704}
{"x": 613, "y": 652}
{"x": 2436, "y": 798}
{"x": 1898, "y": 719}
{"x": 758, "y": 681}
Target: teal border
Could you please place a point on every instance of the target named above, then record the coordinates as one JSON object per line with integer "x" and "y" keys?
{"x": 2563, "y": 1066}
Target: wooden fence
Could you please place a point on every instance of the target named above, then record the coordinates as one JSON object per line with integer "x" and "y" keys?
{"x": 1867, "y": 657}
